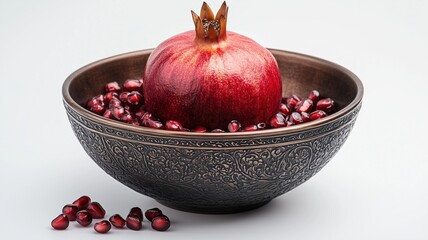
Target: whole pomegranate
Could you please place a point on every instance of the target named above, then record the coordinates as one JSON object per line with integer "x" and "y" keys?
{"x": 210, "y": 76}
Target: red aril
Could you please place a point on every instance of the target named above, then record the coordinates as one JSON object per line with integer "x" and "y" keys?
{"x": 317, "y": 114}
{"x": 212, "y": 77}
{"x": 284, "y": 109}
{"x": 250, "y": 128}
{"x": 61, "y": 222}
{"x": 217, "y": 130}
{"x": 132, "y": 85}
{"x": 136, "y": 211}
{"x": 112, "y": 87}
{"x": 161, "y": 223}
{"x": 314, "y": 95}
{"x": 305, "y": 117}
{"x": 70, "y": 211}
{"x": 108, "y": 114}
{"x": 173, "y": 125}
{"x": 82, "y": 202}
{"x": 296, "y": 118}
{"x": 124, "y": 97}
{"x": 117, "y": 112}
{"x": 152, "y": 213}
{"x": 304, "y": 106}
{"x": 117, "y": 221}
{"x": 133, "y": 222}
{"x": 199, "y": 129}
{"x": 103, "y": 226}
{"x": 234, "y": 126}
{"x": 84, "y": 218}
{"x": 109, "y": 96}
{"x": 135, "y": 98}
{"x": 325, "y": 104}
{"x": 277, "y": 120}
{"x": 96, "y": 210}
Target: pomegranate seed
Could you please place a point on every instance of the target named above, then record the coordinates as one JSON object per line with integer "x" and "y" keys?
{"x": 291, "y": 102}
{"x": 173, "y": 125}
{"x": 70, "y": 211}
{"x": 103, "y": 226}
{"x": 98, "y": 109}
{"x": 304, "y": 106}
{"x": 261, "y": 126}
{"x": 140, "y": 112}
{"x": 200, "y": 129}
{"x": 217, "y": 130}
{"x": 117, "y": 112}
{"x": 100, "y": 97}
{"x": 161, "y": 223}
{"x": 251, "y": 128}
{"x": 152, "y": 213}
{"x": 305, "y": 117}
{"x": 124, "y": 97}
{"x": 108, "y": 114}
{"x": 136, "y": 211}
{"x": 154, "y": 124}
{"x": 317, "y": 114}
{"x": 112, "y": 87}
{"x": 126, "y": 118}
{"x": 325, "y": 104}
{"x": 135, "y": 122}
{"x": 288, "y": 124}
{"x": 117, "y": 221}
{"x": 135, "y": 98}
{"x": 109, "y": 96}
{"x": 84, "y": 218}
{"x": 82, "y": 202}
{"x": 284, "y": 109}
{"x": 133, "y": 222}
{"x": 234, "y": 126}
{"x": 145, "y": 118}
{"x": 115, "y": 103}
{"x": 296, "y": 118}
{"x": 96, "y": 210}
{"x": 61, "y": 222}
{"x": 132, "y": 85}
{"x": 314, "y": 95}
{"x": 277, "y": 120}
{"x": 297, "y": 98}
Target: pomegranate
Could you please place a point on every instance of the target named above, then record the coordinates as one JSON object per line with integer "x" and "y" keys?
{"x": 96, "y": 210}
{"x": 117, "y": 221}
{"x": 61, "y": 222}
{"x": 161, "y": 223}
{"x": 212, "y": 77}
{"x": 82, "y": 202}
{"x": 152, "y": 213}
{"x": 103, "y": 226}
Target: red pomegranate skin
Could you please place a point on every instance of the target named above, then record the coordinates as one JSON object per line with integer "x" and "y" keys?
{"x": 209, "y": 84}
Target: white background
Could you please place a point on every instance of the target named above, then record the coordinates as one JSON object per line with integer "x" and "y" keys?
{"x": 374, "y": 188}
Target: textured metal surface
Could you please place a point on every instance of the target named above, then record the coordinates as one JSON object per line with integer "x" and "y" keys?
{"x": 211, "y": 173}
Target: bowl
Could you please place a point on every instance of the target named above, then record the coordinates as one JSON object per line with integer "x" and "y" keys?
{"x": 214, "y": 172}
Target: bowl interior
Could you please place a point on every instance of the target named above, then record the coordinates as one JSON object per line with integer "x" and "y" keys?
{"x": 300, "y": 74}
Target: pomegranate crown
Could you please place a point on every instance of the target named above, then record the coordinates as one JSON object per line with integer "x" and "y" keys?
{"x": 210, "y": 27}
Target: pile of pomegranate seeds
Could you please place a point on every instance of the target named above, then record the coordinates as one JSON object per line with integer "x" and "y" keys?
{"x": 126, "y": 104}
{"x": 83, "y": 211}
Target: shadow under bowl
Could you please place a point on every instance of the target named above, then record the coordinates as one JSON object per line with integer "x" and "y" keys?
{"x": 214, "y": 172}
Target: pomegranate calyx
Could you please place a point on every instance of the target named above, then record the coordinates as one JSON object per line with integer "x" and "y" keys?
{"x": 208, "y": 27}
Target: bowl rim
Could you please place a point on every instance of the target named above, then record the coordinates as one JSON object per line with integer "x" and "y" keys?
{"x": 67, "y": 99}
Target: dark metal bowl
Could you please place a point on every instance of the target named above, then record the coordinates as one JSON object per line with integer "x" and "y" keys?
{"x": 214, "y": 172}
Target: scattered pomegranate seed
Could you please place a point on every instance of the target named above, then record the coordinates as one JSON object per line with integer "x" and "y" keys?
{"x": 317, "y": 115}
{"x": 140, "y": 112}
{"x": 108, "y": 114}
{"x": 173, "y": 125}
{"x": 82, "y": 202}
{"x": 161, "y": 223}
{"x": 234, "y": 126}
{"x": 217, "y": 130}
{"x": 288, "y": 123}
{"x": 117, "y": 221}
{"x": 325, "y": 104}
{"x": 314, "y": 95}
{"x": 132, "y": 85}
{"x": 296, "y": 118}
{"x": 115, "y": 103}
{"x": 200, "y": 129}
{"x": 152, "y": 213}
{"x": 124, "y": 97}
{"x": 136, "y": 211}
{"x": 291, "y": 102}
{"x": 126, "y": 118}
{"x": 135, "y": 122}
{"x": 304, "y": 106}
{"x": 284, "y": 109}
{"x": 261, "y": 126}
{"x": 133, "y": 222}
{"x": 135, "y": 98}
{"x": 109, "y": 96}
{"x": 277, "y": 120}
{"x": 84, "y": 218}
{"x": 154, "y": 124}
{"x": 103, "y": 226}
{"x": 250, "y": 128}
{"x": 61, "y": 222}
{"x": 112, "y": 87}
{"x": 70, "y": 211}
{"x": 96, "y": 210}
{"x": 305, "y": 117}
{"x": 117, "y": 112}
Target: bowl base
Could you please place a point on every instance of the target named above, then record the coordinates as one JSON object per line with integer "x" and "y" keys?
{"x": 212, "y": 210}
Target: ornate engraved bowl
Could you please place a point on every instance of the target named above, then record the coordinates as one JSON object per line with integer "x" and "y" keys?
{"x": 214, "y": 172}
